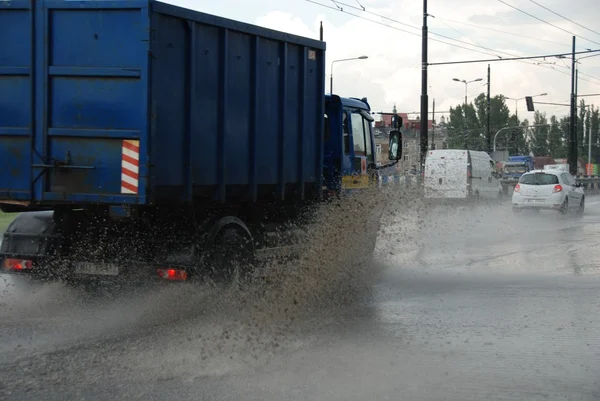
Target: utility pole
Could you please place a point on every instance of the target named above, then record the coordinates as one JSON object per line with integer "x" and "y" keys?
{"x": 433, "y": 127}
{"x": 590, "y": 135}
{"x": 489, "y": 110}
{"x": 572, "y": 133}
{"x": 424, "y": 97}
{"x": 465, "y": 126}
{"x": 576, "y": 105}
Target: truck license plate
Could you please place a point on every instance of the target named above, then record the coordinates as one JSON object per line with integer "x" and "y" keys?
{"x": 104, "y": 269}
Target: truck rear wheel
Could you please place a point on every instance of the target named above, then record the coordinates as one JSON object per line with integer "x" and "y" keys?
{"x": 232, "y": 258}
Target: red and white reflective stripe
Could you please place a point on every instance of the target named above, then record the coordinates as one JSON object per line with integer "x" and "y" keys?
{"x": 130, "y": 167}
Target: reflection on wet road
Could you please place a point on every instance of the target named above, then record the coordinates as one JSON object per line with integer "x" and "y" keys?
{"x": 469, "y": 303}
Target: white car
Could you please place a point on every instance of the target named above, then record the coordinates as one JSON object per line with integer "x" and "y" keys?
{"x": 548, "y": 190}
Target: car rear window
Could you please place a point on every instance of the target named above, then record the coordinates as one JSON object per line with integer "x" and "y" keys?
{"x": 539, "y": 179}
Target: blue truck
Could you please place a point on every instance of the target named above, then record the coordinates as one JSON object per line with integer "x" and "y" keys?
{"x": 138, "y": 138}
{"x": 514, "y": 168}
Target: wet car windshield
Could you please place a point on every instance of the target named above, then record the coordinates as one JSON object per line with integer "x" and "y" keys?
{"x": 539, "y": 179}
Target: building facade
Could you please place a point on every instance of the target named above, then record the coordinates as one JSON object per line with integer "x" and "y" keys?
{"x": 410, "y": 141}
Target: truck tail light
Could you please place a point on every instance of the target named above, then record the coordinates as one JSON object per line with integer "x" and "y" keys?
{"x": 172, "y": 274}
{"x": 517, "y": 188}
{"x": 557, "y": 188}
{"x": 17, "y": 264}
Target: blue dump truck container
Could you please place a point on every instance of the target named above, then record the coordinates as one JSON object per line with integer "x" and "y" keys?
{"x": 140, "y": 137}
{"x": 142, "y": 102}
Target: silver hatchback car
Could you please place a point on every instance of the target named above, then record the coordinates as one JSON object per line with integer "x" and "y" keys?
{"x": 548, "y": 190}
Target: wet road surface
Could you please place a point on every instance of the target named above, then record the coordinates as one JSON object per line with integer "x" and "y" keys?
{"x": 474, "y": 303}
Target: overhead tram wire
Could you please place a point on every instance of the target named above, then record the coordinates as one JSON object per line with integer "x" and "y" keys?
{"x": 515, "y": 58}
{"x": 337, "y": 3}
{"x": 399, "y": 23}
{"x": 563, "y": 17}
{"x": 546, "y": 22}
{"x": 498, "y": 58}
{"x": 340, "y": 9}
{"x": 553, "y": 67}
{"x": 499, "y": 31}
{"x": 399, "y": 29}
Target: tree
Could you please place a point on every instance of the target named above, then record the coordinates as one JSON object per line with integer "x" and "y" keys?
{"x": 515, "y": 138}
{"x": 556, "y": 145}
{"x": 522, "y": 140}
{"x": 539, "y": 135}
{"x": 499, "y": 114}
{"x": 476, "y": 124}
{"x": 595, "y": 128}
{"x": 564, "y": 128}
{"x": 456, "y": 137}
{"x": 552, "y": 139}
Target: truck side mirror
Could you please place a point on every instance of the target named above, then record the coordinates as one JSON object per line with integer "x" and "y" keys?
{"x": 396, "y": 122}
{"x": 395, "y": 145}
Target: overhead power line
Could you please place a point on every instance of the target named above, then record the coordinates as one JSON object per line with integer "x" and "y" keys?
{"x": 362, "y": 9}
{"x": 546, "y": 22}
{"x": 515, "y": 58}
{"x": 499, "y": 31}
{"x": 487, "y": 53}
{"x": 563, "y": 17}
{"x": 398, "y": 29}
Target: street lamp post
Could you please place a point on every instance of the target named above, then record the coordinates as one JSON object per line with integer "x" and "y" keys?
{"x": 517, "y": 111}
{"x": 587, "y": 106}
{"x": 516, "y": 127}
{"x": 521, "y": 98}
{"x": 465, "y": 106}
{"x": 338, "y": 61}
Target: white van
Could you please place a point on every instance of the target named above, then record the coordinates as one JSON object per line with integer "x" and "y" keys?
{"x": 461, "y": 174}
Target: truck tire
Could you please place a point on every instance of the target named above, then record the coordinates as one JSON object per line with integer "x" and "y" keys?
{"x": 231, "y": 261}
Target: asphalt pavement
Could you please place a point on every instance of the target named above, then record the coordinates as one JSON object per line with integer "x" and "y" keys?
{"x": 464, "y": 303}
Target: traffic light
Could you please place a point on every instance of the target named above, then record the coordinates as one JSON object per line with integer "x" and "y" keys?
{"x": 529, "y": 101}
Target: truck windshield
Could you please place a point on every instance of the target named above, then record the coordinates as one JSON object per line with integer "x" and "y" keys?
{"x": 539, "y": 179}
{"x": 515, "y": 169}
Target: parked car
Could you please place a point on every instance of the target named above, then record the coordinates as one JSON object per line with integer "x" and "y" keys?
{"x": 548, "y": 190}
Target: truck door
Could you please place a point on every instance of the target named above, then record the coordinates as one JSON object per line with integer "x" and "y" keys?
{"x": 359, "y": 148}
{"x": 335, "y": 121}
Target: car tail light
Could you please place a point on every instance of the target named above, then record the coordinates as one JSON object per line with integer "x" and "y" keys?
{"x": 557, "y": 188}
{"x": 517, "y": 188}
{"x": 17, "y": 264}
{"x": 172, "y": 274}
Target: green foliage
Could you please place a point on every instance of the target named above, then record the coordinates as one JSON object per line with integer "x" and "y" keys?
{"x": 556, "y": 145}
{"x": 473, "y": 135}
{"x": 538, "y": 143}
{"x": 550, "y": 138}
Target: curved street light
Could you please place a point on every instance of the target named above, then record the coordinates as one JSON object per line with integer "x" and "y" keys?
{"x": 521, "y": 98}
{"x": 338, "y": 61}
{"x": 465, "y": 106}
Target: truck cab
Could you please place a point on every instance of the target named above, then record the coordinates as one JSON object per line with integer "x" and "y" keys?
{"x": 516, "y": 166}
{"x": 349, "y": 146}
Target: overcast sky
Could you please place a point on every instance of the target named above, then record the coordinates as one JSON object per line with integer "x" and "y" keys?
{"x": 392, "y": 74}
